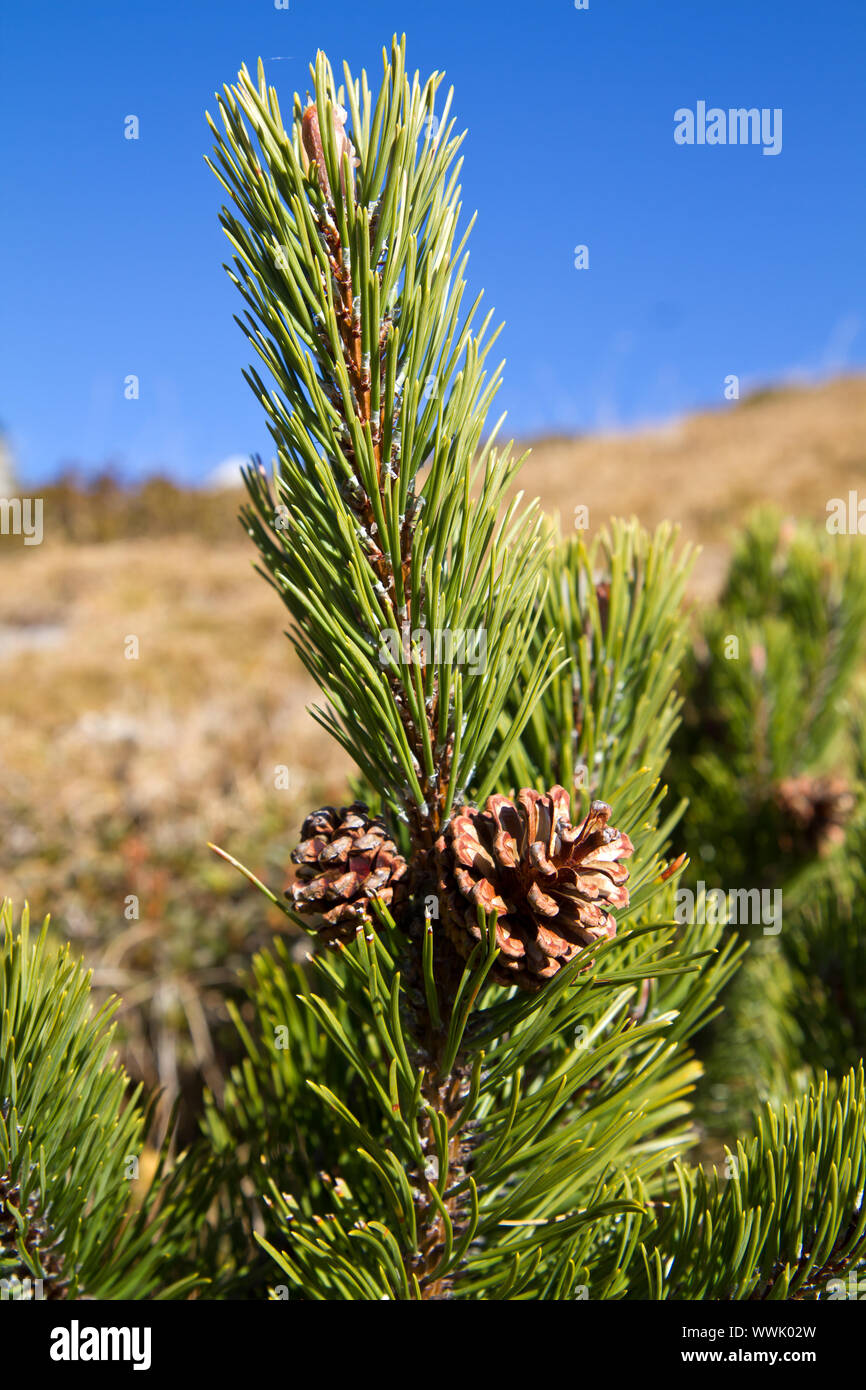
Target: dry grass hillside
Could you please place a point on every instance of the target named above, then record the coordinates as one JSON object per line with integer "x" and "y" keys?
{"x": 118, "y": 769}
{"x": 117, "y": 772}
{"x": 794, "y": 447}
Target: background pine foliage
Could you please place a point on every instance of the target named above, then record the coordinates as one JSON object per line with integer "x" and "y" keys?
{"x": 71, "y": 1141}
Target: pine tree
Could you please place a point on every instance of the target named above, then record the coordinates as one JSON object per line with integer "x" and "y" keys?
{"x": 770, "y": 757}
{"x": 487, "y": 1078}
{"x": 479, "y": 1086}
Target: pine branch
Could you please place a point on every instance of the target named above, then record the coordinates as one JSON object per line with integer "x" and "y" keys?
{"x": 610, "y": 709}
{"x": 70, "y": 1141}
{"x": 384, "y": 527}
{"x": 766, "y": 692}
{"x": 788, "y": 1216}
{"x": 485, "y": 1172}
{"x": 354, "y": 284}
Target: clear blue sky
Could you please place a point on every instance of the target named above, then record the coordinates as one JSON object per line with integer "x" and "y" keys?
{"x": 704, "y": 261}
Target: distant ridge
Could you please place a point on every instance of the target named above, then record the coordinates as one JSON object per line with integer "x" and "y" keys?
{"x": 792, "y": 446}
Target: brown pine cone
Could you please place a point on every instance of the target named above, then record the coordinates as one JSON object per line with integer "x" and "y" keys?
{"x": 345, "y": 858}
{"x": 814, "y": 812}
{"x": 550, "y": 882}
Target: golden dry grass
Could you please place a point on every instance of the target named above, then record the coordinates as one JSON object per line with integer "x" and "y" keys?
{"x": 117, "y": 773}
{"x": 794, "y": 447}
{"x": 213, "y": 703}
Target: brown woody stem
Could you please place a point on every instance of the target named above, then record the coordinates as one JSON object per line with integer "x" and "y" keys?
{"x": 445, "y": 1093}
{"x": 442, "y": 1093}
